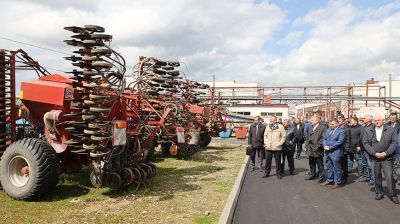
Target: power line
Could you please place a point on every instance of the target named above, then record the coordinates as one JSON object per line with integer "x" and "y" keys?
{"x": 33, "y": 45}
{"x": 58, "y": 70}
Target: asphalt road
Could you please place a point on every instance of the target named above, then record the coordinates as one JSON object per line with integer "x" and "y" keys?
{"x": 295, "y": 200}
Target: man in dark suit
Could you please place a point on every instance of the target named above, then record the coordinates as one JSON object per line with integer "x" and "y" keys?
{"x": 256, "y": 142}
{"x": 343, "y": 159}
{"x": 380, "y": 142}
{"x": 315, "y": 150}
{"x": 394, "y": 122}
{"x": 299, "y": 137}
{"x": 333, "y": 143}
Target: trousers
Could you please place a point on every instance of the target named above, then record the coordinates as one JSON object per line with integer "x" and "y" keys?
{"x": 289, "y": 156}
{"x": 387, "y": 167}
{"x": 268, "y": 161}
{"x": 260, "y": 154}
{"x": 313, "y": 162}
{"x": 334, "y": 167}
{"x": 345, "y": 168}
{"x": 299, "y": 148}
{"x": 366, "y": 167}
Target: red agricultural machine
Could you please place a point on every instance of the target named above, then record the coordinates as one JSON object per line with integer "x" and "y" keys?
{"x": 192, "y": 120}
{"x": 92, "y": 116}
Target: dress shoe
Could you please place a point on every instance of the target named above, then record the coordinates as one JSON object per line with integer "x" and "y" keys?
{"x": 320, "y": 181}
{"x": 363, "y": 180}
{"x": 395, "y": 200}
{"x": 326, "y": 183}
{"x": 343, "y": 180}
{"x": 378, "y": 196}
{"x": 265, "y": 175}
{"x": 279, "y": 177}
{"x": 336, "y": 186}
{"x": 310, "y": 178}
{"x": 291, "y": 173}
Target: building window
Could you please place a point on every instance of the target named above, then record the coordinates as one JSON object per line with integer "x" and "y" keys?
{"x": 242, "y": 113}
{"x": 269, "y": 114}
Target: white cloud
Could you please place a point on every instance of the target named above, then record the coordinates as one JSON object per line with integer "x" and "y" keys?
{"x": 292, "y": 38}
{"x": 210, "y": 36}
{"x": 345, "y": 45}
{"x": 341, "y": 43}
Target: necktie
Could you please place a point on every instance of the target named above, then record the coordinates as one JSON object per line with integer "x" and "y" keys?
{"x": 256, "y": 130}
{"x": 331, "y": 132}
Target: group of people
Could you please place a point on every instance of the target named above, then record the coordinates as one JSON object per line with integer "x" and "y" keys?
{"x": 371, "y": 141}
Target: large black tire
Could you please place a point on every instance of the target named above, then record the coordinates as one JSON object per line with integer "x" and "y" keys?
{"x": 42, "y": 161}
{"x": 148, "y": 154}
{"x": 165, "y": 148}
{"x": 205, "y": 139}
{"x": 184, "y": 151}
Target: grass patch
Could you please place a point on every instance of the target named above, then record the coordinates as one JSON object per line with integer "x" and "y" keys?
{"x": 193, "y": 191}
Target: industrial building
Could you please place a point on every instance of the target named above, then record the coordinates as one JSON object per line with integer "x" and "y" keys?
{"x": 244, "y": 101}
{"x": 380, "y": 98}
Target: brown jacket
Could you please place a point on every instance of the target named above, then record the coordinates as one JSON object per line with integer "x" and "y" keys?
{"x": 274, "y": 138}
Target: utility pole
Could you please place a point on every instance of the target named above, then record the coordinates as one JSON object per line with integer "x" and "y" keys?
{"x": 390, "y": 90}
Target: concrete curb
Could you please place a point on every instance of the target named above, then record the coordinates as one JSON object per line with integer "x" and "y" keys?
{"x": 227, "y": 213}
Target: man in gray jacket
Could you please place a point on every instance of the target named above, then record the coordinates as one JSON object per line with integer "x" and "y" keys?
{"x": 256, "y": 142}
{"x": 380, "y": 143}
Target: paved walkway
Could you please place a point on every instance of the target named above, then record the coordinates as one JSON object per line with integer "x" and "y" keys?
{"x": 295, "y": 200}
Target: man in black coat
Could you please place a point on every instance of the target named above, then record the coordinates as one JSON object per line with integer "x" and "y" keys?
{"x": 394, "y": 123}
{"x": 315, "y": 149}
{"x": 353, "y": 146}
{"x": 288, "y": 147}
{"x": 380, "y": 141}
{"x": 343, "y": 159}
{"x": 299, "y": 137}
{"x": 256, "y": 142}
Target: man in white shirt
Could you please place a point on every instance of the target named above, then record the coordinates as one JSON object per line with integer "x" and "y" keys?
{"x": 380, "y": 141}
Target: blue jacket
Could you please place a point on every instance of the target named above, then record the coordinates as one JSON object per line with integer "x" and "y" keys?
{"x": 307, "y": 127}
{"x": 398, "y": 144}
{"x": 335, "y": 141}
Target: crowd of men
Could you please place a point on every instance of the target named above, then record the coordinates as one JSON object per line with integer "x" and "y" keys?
{"x": 371, "y": 142}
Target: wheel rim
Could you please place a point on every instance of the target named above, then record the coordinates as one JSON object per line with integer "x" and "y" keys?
{"x": 18, "y": 171}
{"x": 173, "y": 150}
{"x": 96, "y": 179}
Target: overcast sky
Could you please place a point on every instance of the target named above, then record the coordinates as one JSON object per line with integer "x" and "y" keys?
{"x": 270, "y": 42}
